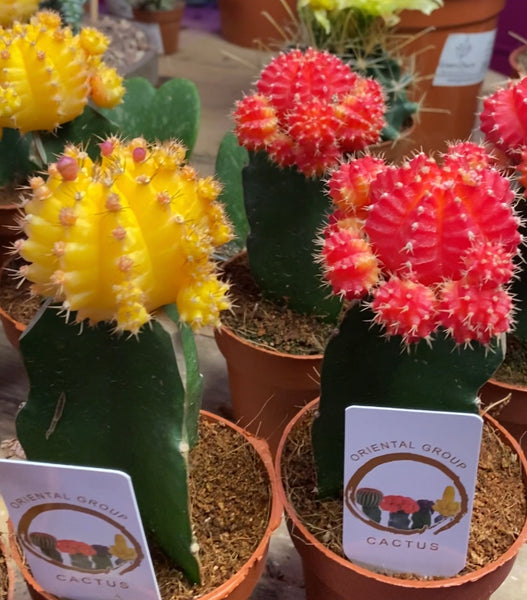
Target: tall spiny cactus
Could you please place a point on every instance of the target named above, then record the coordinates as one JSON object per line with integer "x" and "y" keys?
{"x": 110, "y": 242}
{"x": 432, "y": 250}
{"x": 308, "y": 111}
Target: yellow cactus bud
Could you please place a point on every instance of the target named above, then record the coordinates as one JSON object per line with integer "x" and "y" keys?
{"x": 16, "y": 10}
{"x": 117, "y": 239}
{"x": 47, "y": 74}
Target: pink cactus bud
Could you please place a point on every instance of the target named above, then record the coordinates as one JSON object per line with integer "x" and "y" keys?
{"x": 107, "y": 147}
{"x": 361, "y": 115}
{"x": 68, "y": 168}
{"x": 255, "y": 120}
{"x": 405, "y": 308}
{"x": 139, "y": 154}
{"x": 349, "y": 264}
{"x": 471, "y": 312}
{"x": 488, "y": 263}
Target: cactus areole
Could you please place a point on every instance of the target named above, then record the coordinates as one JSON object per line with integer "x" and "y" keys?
{"x": 111, "y": 243}
{"x": 426, "y": 252}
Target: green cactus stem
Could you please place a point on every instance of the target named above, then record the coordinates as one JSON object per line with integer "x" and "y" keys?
{"x": 286, "y": 210}
{"x": 124, "y": 395}
{"x": 173, "y": 111}
{"x": 363, "y": 367}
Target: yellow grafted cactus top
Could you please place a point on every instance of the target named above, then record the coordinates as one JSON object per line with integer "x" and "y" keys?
{"x": 116, "y": 239}
{"x": 16, "y": 10}
{"x": 47, "y": 74}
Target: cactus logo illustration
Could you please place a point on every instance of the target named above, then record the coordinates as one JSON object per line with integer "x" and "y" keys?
{"x": 45, "y": 530}
{"x": 436, "y": 509}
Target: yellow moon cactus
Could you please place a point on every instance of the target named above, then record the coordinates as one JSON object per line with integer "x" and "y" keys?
{"x": 16, "y": 10}
{"x": 116, "y": 239}
{"x": 47, "y": 74}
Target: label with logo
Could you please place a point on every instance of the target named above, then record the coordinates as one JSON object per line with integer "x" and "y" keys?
{"x": 409, "y": 481}
{"x": 80, "y": 530}
{"x": 464, "y": 59}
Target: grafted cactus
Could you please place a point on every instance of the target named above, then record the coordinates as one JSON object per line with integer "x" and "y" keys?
{"x": 66, "y": 69}
{"x": 429, "y": 249}
{"x": 309, "y": 110}
{"x": 111, "y": 242}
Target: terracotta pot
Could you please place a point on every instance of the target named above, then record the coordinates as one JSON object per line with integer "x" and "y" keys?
{"x": 267, "y": 387}
{"x": 394, "y": 152}
{"x": 241, "y": 585}
{"x": 242, "y": 22}
{"x": 519, "y": 68}
{"x": 328, "y": 576}
{"x": 452, "y": 87}
{"x": 513, "y": 415}
{"x": 10, "y": 589}
{"x": 169, "y": 24}
{"x": 13, "y": 329}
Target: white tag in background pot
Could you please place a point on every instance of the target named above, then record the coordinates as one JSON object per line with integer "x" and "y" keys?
{"x": 464, "y": 59}
{"x": 80, "y": 530}
{"x": 409, "y": 481}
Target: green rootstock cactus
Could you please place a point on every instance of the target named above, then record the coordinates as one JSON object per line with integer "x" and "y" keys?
{"x": 117, "y": 402}
{"x": 361, "y": 366}
{"x": 431, "y": 248}
{"x": 309, "y": 110}
{"x": 111, "y": 242}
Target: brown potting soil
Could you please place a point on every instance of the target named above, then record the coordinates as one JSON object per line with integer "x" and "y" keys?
{"x": 267, "y": 323}
{"x": 230, "y": 495}
{"x": 231, "y": 501}
{"x": 4, "y": 580}
{"x": 15, "y": 298}
{"x": 9, "y": 194}
{"x": 512, "y": 369}
{"x": 499, "y": 506}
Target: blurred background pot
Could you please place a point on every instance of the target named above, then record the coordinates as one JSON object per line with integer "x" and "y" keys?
{"x": 243, "y": 23}
{"x": 451, "y": 61}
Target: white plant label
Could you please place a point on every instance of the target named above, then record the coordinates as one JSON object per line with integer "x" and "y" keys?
{"x": 80, "y": 530}
{"x": 409, "y": 481}
{"x": 464, "y": 59}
